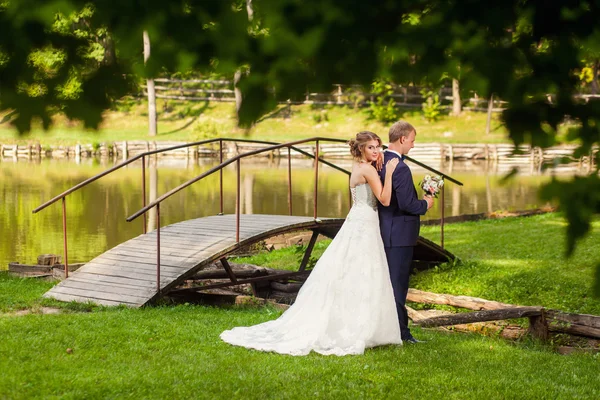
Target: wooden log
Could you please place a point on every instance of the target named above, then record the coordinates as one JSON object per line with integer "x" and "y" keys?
{"x": 414, "y": 315}
{"x": 222, "y": 274}
{"x": 593, "y": 321}
{"x": 503, "y": 330}
{"x": 260, "y": 279}
{"x": 286, "y": 287}
{"x": 16, "y": 267}
{"x": 283, "y": 296}
{"x": 574, "y": 329}
{"x": 538, "y": 326}
{"x": 481, "y": 316}
{"x": 260, "y": 288}
{"x": 29, "y": 269}
{"x": 472, "y": 303}
{"x": 48, "y": 259}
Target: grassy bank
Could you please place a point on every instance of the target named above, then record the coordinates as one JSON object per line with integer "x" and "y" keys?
{"x": 512, "y": 260}
{"x": 198, "y": 121}
{"x": 18, "y": 294}
{"x": 518, "y": 261}
{"x": 25, "y": 294}
{"x": 175, "y": 352}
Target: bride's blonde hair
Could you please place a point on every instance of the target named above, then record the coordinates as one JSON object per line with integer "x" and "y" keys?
{"x": 357, "y": 145}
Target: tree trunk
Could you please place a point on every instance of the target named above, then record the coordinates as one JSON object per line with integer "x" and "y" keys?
{"x": 237, "y": 92}
{"x": 250, "y": 10}
{"x": 489, "y": 115}
{"x": 110, "y": 55}
{"x": 456, "y": 104}
{"x": 595, "y": 86}
{"x": 152, "y": 130}
{"x": 238, "y": 73}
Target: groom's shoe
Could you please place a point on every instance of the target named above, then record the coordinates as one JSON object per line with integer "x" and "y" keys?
{"x": 411, "y": 339}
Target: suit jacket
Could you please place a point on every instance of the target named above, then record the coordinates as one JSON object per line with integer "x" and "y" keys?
{"x": 400, "y": 222}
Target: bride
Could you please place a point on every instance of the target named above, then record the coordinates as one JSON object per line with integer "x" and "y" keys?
{"x": 347, "y": 303}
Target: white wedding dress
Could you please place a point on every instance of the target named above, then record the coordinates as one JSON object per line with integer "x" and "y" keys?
{"x": 347, "y": 303}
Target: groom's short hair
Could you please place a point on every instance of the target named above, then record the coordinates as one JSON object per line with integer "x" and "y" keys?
{"x": 399, "y": 129}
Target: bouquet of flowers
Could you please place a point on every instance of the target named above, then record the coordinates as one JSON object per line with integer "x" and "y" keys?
{"x": 432, "y": 184}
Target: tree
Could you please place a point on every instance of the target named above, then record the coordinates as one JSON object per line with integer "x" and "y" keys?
{"x": 456, "y": 104}
{"x": 520, "y": 50}
{"x": 191, "y": 37}
{"x": 238, "y": 73}
{"x": 591, "y": 59}
{"x": 152, "y": 129}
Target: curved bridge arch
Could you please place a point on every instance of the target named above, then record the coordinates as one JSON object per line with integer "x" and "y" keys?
{"x": 127, "y": 275}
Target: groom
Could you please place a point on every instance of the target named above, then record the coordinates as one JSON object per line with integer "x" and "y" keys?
{"x": 399, "y": 222}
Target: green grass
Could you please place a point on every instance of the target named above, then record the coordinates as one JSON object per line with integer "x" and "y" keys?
{"x": 198, "y": 121}
{"x": 287, "y": 258}
{"x": 26, "y": 294}
{"x": 17, "y": 294}
{"x": 517, "y": 261}
{"x": 175, "y": 352}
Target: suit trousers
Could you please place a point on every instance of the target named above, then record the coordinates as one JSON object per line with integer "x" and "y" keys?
{"x": 399, "y": 262}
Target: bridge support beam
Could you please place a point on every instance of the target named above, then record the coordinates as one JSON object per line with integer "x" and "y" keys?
{"x": 228, "y": 269}
{"x": 309, "y": 249}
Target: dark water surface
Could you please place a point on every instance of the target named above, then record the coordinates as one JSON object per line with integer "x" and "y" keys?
{"x": 96, "y": 214}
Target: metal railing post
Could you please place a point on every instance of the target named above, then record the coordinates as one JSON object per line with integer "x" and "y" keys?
{"x": 290, "y": 179}
{"x": 158, "y": 248}
{"x": 144, "y": 191}
{"x": 66, "y": 256}
{"x": 316, "y": 178}
{"x": 238, "y": 204}
{"x": 221, "y": 176}
{"x": 442, "y": 219}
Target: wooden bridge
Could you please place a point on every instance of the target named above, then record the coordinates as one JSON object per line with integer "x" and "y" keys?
{"x": 126, "y": 274}
{"x": 145, "y": 268}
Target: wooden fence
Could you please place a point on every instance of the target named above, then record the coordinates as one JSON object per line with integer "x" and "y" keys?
{"x": 405, "y": 96}
{"x": 559, "y": 157}
{"x": 542, "y": 320}
{"x": 222, "y": 90}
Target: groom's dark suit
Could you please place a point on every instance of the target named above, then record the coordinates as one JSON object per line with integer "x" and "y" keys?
{"x": 400, "y": 224}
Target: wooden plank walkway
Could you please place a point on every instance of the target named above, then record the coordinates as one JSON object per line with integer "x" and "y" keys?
{"x": 126, "y": 274}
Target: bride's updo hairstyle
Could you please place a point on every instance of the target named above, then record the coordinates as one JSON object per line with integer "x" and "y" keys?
{"x": 357, "y": 145}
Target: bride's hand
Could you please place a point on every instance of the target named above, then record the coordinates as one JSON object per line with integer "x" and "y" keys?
{"x": 379, "y": 161}
{"x": 391, "y": 165}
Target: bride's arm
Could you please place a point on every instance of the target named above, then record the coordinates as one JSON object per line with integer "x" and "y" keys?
{"x": 382, "y": 192}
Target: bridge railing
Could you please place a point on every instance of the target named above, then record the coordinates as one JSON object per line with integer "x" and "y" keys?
{"x": 142, "y": 156}
{"x": 271, "y": 146}
{"x": 236, "y": 159}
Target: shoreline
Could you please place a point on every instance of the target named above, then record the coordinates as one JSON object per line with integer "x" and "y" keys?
{"x": 122, "y": 150}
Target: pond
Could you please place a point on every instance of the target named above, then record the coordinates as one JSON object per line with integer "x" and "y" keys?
{"x": 96, "y": 214}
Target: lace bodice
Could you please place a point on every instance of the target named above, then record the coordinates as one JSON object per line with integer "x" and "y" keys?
{"x": 363, "y": 195}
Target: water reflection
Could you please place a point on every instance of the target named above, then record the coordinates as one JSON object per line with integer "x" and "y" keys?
{"x": 96, "y": 214}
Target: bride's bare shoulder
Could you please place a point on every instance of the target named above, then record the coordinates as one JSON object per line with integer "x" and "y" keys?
{"x": 366, "y": 167}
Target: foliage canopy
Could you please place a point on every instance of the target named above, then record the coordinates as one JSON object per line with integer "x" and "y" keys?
{"x": 520, "y": 50}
